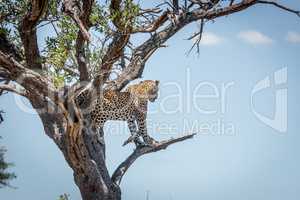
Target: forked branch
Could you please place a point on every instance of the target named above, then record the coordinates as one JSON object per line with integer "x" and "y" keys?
{"x": 140, "y": 151}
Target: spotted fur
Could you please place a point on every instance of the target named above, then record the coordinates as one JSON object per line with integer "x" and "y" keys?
{"x": 131, "y": 106}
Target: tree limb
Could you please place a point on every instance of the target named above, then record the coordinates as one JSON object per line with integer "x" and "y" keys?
{"x": 28, "y": 33}
{"x": 297, "y": 12}
{"x": 39, "y": 91}
{"x": 115, "y": 49}
{"x": 138, "y": 152}
{"x": 13, "y": 88}
{"x": 154, "y": 25}
{"x": 80, "y": 50}
{"x": 71, "y": 8}
{"x": 33, "y": 82}
{"x": 144, "y": 51}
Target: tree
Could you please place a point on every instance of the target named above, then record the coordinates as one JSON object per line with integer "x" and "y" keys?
{"x": 91, "y": 52}
{"x": 5, "y": 176}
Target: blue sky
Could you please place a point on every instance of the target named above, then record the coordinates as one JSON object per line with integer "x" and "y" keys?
{"x": 245, "y": 160}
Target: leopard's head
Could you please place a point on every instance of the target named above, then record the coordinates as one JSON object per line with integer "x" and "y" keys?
{"x": 147, "y": 89}
{"x": 151, "y": 89}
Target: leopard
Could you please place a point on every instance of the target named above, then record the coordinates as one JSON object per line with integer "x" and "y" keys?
{"x": 130, "y": 105}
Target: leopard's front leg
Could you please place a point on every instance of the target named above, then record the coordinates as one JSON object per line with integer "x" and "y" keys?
{"x": 134, "y": 134}
{"x": 142, "y": 125}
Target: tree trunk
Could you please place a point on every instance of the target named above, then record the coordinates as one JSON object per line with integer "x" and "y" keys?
{"x": 85, "y": 154}
{"x": 84, "y": 149}
{"x": 95, "y": 191}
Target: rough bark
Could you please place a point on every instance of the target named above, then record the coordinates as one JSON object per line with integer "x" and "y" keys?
{"x": 83, "y": 148}
{"x": 85, "y": 152}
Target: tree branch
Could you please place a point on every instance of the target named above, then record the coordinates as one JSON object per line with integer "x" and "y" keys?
{"x": 13, "y": 88}
{"x": 33, "y": 82}
{"x": 115, "y": 49}
{"x": 80, "y": 50}
{"x": 138, "y": 152}
{"x": 297, "y": 12}
{"x": 144, "y": 51}
{"x": 28, "y": 33}
{"x": 154, "y": 25}
{"x": 41, "y": 93}
{"x": 71, "y": 8}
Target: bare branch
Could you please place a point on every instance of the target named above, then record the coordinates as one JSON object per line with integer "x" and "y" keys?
{"x": 154, "y": 25}
{"x": 28, "y": 33}
{"x": 144, "y": 51}
{"x": 149, "y": 11}
{"x": 297, "y": 12}
{"x": 197, "y": 36}
{"x": 114, "y": 52}
{"x": 138, "y": 152}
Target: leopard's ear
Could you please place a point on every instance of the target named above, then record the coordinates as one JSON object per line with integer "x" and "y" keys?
{"x": 157, "y": 82}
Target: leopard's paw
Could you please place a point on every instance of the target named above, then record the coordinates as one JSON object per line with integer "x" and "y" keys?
{"x": 150, "y": 141}
{"x": 129, "y": 140}
{"x": 136, "y": 140}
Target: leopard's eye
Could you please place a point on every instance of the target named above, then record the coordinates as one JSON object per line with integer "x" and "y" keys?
{"x": 153, "y": 90}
